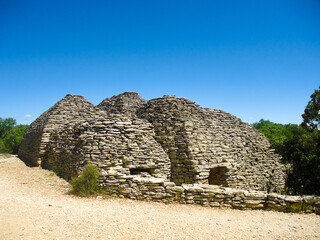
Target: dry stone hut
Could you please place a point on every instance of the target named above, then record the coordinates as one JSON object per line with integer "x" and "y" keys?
{"x": 164, "y": 139}
{"x": 72, "y": 108}
{"x": 211, "y": 146}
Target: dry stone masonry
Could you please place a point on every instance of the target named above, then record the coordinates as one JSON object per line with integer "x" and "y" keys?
{"x": 167, "y": 149}
{"x": 211, "y": 146}
{"x": 126, "y": 103}
{"x": 72, "y": 108}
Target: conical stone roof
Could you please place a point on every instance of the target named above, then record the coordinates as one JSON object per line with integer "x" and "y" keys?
{"x": 72, "y": 108}
{"x": 126, "y": 103}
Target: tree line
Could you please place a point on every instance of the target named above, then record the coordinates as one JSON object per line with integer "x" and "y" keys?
{"x": 299, "y": 145}
{"x": 11, "y": 135}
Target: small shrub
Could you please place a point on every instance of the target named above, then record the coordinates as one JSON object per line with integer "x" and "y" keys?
{"x": 300, "y": 207}
{"x": 87, "y": 183}
{"x": 296, "y": 207}
{"x": 53, "y": 174}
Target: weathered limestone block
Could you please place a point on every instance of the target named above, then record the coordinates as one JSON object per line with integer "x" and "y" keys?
{"x": 255, "y": 195}
{"x": 194, "y": 188}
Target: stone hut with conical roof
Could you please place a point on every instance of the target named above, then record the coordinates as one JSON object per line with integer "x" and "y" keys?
{"x": 72, "y": 108}
{"x": 211, "y": 146}
{"x": 168, "y": 138}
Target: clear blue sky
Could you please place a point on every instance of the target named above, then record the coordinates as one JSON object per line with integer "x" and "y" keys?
{"x": 253, "y": 59}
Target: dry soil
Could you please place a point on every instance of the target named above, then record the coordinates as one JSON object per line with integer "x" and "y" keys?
{"x": 35, "y": 204}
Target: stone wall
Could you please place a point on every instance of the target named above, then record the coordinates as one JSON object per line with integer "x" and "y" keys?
{"x": 159, "y": 190}
{"x": 116, "y": 144}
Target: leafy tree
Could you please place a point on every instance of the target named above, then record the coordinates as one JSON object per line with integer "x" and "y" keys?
{"x": 311, "y": 116}
{"x": 275, "y": 132}
{"x": 302, "y": 151}
{"x": 14, "y": 137}
{"x": 299, "y": 146}
{"x": 5, "y": 125}
{"x": 10, "y": 135}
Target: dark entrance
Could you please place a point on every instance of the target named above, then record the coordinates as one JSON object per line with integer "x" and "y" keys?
{"x": 137, "y": 171}
{"x": 218, "y": 176}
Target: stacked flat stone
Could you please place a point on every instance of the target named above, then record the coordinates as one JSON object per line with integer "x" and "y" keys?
{"x": 126, "y": 103}
{"x": 159, "y": 190}
{"x": 199, "y": 140}
{"x": 116, "y": 145}
{"x": 169, "y": 137}
{"x": 71, "y": 109}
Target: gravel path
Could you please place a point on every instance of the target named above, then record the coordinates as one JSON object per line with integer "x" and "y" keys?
{"x": 35, "y": 204}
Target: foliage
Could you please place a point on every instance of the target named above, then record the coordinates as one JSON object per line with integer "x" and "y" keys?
{"x": 275, "y": 132}
{"x": 311, "y": 116}
{"x": 303, "y": 152}
{"x": 10, "y": 135}
{"x": 299, "y": 207}
{"x": 5, "y": 126}
{"x": 299, "y": 146}
{"x": 87, "y": 183}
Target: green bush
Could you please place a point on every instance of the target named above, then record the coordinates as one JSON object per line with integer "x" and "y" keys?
{"x": 302, "y": 151}
{"x": 276, "y": 133}
{"x": 87, "y": 183}
{"x": 10, "y": 135}
{"x": 300, "y": 147}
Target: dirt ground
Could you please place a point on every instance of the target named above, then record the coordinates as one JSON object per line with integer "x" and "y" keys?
{"x": 35, "y": 204}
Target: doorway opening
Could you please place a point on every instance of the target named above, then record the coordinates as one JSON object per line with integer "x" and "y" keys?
{"x": 218, "y": 176}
